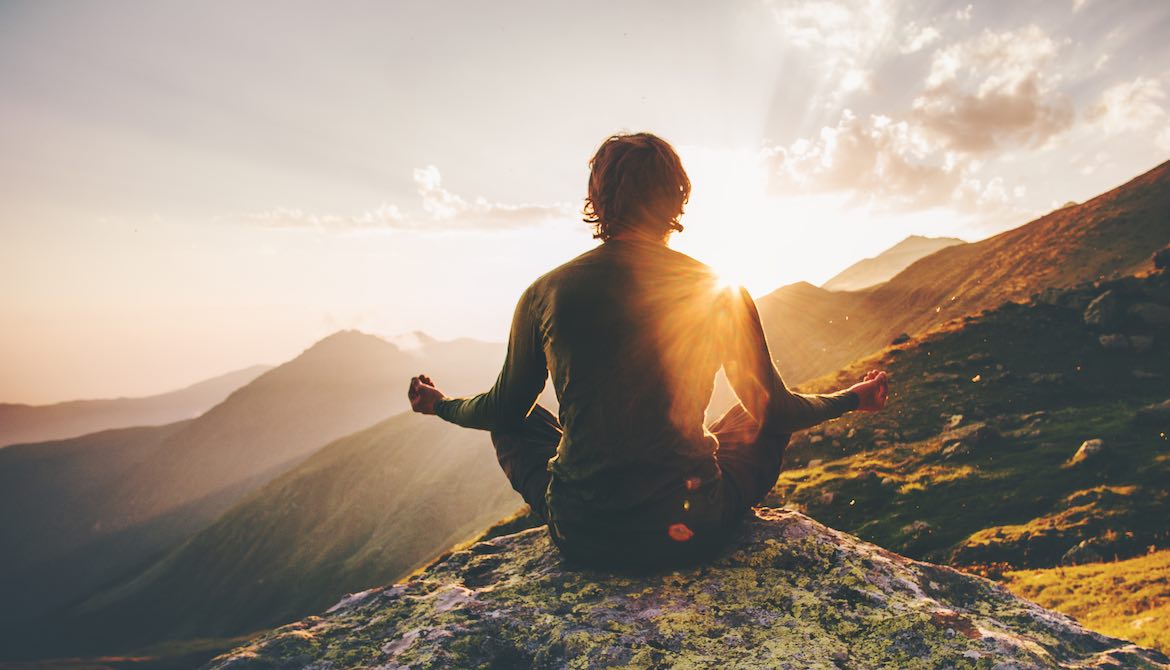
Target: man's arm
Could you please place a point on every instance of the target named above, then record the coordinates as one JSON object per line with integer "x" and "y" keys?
{"x": 521, "y": 380}
{"x": 757, "y": 383}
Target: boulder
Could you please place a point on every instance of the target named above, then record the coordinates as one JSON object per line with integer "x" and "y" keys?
{"x": 1089, "y": 450}
{"x": 1103, "y": 311}
{"x": 1149, "y": 313}
{"x": 787, "y": 592}
{"x": 974, "y": 434}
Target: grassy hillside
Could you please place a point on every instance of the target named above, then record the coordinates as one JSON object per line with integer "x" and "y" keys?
{"x": 361, "y": 512}
{"x": 41, "y": 423}
{"x": 872, "y": 271}
{"x": 813, "y": 331}
{"x": 81, "y": 513}
{"x": 1129, "y": 599}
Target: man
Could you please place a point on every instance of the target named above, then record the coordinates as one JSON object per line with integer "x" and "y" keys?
{"x": 633, "y": 334}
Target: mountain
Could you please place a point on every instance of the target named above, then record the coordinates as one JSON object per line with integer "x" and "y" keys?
{"x": 788, "y": 592}
{"x": 362, "y": 511}
{"x": 813, "y": 331}
{"x": 872, "y": 271}
{"x": 144, "y": 490}
{"x": 41, "y": 423}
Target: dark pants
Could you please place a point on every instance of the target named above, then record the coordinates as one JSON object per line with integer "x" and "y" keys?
{"x": 686, "y": 520}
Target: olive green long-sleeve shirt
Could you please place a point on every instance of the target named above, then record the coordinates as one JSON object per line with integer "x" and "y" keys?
{"x": 633, "y": 333}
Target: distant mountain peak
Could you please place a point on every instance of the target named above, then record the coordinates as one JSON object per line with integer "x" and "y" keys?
{"x": 883, "y": 267}
{"x": 415, "y": 339}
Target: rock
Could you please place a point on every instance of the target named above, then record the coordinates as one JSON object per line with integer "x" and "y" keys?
{"x": 916, "y": 529}
{"x": 974, "y": 434}
{"x": 1089, "y": 450}
{"x": 954, "y": 420}
{"x": 1154, "y": 416}
{"x": 1114, "y": 342}
{"x": 900, "y": 339}
{"x": 816, "y": 439}
{"x": 1150, "y": 312}
{"x": 1141, "y": 343}
{"x": 1103, "y": 311}
{"x": 816, "y": 462}
{"x": 787, "y": 592}
{"x": 979, "y": 357}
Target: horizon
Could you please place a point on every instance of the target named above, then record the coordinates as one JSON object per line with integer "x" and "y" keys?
{"x": 188, "y": 191}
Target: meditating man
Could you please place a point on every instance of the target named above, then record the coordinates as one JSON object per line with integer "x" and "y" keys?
{"x": 633, "y": 334}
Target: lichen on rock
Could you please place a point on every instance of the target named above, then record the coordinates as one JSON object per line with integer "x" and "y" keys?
{"x": 787, "y": 593}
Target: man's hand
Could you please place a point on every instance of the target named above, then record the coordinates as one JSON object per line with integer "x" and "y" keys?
{"x": 423, "y": 394}
{"x": 873, "y": 391}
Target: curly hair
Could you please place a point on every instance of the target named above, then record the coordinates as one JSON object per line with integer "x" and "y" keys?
{"x": 635, "y": 180}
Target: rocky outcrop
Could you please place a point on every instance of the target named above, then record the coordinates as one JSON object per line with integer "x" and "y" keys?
{"x": 787, "y": 593}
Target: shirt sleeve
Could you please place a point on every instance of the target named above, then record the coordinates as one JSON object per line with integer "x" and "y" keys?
{"x": 757, "y": 383}
{"x": 508, "y": 402}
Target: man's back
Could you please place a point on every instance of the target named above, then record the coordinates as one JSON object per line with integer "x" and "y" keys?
{"x": 630, "y": 335}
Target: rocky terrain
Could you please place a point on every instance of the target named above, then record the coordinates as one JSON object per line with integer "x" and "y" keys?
{"x": 787, "y": 593}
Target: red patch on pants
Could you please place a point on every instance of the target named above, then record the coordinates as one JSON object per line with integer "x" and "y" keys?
{"x": 680, "y": 532}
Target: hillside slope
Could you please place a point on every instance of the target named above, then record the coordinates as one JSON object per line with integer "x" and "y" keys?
{"x": 813, "y": 331}
{"x": 972, "y": 463}
{"x": 41, "y": 423}
{"x": 362, "y": 511}
{"x": 872, "y": 271}
{"x": 788, "y": 592}
{"x": 175, "y": 485}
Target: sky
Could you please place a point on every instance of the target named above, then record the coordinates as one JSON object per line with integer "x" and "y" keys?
{"x": 191, "y": 188}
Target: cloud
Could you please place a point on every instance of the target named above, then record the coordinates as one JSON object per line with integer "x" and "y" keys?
{"x": 994, "y": 91}
{"x": 440, "y": 210}
{"x": 915, "y": 38}
{"x": 451, "y": 211}
{"x": 890, "y": 163}
{"x": 844, "y": 35}
{"x": 1131, "y": 105}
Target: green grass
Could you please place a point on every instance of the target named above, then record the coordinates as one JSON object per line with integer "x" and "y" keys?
{"x": 890, "y": 482}
{"x": 1129, "y": 599}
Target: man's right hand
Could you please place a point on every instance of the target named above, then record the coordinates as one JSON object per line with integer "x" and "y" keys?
{"x": 423, "y": 395}
{"x": 872, "y": 391}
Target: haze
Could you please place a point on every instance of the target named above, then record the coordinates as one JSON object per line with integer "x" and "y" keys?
{"x": 189, "y": 188}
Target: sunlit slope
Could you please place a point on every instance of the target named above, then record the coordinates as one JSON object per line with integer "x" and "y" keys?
{"x": 871, "y": 271}
{"x": 40, "y": 423}
{"x": 361, "y": 512}
{"x": 813, "y": 331}
{"x": 973, "y": 463}
{"x": 1128, "y": 599}
{"x": 175, "y": 485}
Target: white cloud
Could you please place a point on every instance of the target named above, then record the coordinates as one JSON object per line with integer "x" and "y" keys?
{"x": 890, "y": 163}
{"x": 994, "y": 91}
{"x": 844, "y": 35}
{"x": 1131, "y": 105}
{"x": 916, "y": 38}
{"x": 441, "y": 210}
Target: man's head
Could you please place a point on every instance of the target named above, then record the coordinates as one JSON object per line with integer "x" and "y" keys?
{"x": 636, "y": 184}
